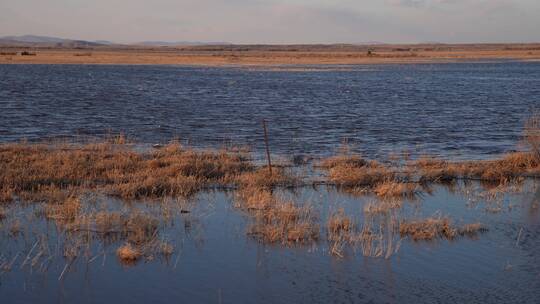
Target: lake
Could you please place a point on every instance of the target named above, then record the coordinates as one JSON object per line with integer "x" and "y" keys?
{"x": 461, "y": 110}
{"x": 457, "y": 111}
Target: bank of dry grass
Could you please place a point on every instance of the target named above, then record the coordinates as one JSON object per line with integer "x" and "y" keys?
{"x": 510, "y": 167}
{"x": 390, "y": 181}
{"x": 42, "y": 172}
{"x": 352, "y": 172}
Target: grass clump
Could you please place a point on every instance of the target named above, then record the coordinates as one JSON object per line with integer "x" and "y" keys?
{"x": 510, "y": 167}
{"x": 285, "y": 223}
{"x": 340, "y": 229}
{"x": 63, "y": 211}
{"x": 395, "y": 189}
{"x": 354, "y": 161}
{"x": 262, "y": 178}
{"x": 339, "y": 226}
{"x": 128, "y": 254}
{"x": 276, "y": 220}
{"x": 428, "y": 229}
{"x": 367, "y": 176}
{"x": 252, "y": 198}
{"x": 438, "y": 227}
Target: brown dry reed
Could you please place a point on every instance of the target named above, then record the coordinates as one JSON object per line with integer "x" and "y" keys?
{"x": 42, "y": 172}
{"x": 437, "y": 227}
{"x": 353, "y": 173}
{"x": 340, "y": 229}
{"x": 276, "y": 220}
{"x": 128, "y": 254}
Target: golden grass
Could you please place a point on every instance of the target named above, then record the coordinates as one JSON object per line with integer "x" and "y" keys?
{"x": 438, "y": 227}
{"x": 44, "y": 172}
{"x": 428, "y": 229}
{"x": 367, "y": 176}
{"x": 262, "y": 178}
{"x": 59, "y": 175}
{"x": 349, "y": 160}
{"x": 510, "y": 167}
{"x": 253, "y": 198}
{"x": 393, "y": 189}
{"x": 339, "y": 226}
{"x": 286, "y": 223}
{"x": 378, "y": 236}
{"x": 64, "y": 211}
{"x": 340, "y": 229}
{"x": 276, "y": 220}
{"x": 387, "y": 181}
{"x": 398, "y": 178}
{"x": 128, "y": 254}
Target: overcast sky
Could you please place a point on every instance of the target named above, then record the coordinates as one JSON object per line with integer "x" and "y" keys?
{"x": 276, "y": 21}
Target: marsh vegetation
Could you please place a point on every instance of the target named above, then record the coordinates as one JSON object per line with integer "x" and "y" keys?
{"x": 65, "y": 205}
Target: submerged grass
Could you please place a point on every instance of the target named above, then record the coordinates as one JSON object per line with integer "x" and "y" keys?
{"x": 428, "y": 229}
{"x": 438, "y": 227}
{"x": 59, "y": 176}
{"x": 340, "y": 229}
{"x": 277, "y": 220}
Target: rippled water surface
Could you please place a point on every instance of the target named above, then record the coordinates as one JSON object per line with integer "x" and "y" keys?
{"x": 216, "y": 262}
{"x": 458, "y": 110}
{"x": 461, "y": 110}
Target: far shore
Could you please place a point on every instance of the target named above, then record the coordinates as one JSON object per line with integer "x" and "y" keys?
{"x": 270, "y": 55}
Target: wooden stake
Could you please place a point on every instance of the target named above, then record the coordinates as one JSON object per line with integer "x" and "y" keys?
{"x": 267, "y": 147}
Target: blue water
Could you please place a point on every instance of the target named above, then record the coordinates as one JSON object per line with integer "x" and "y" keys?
{"x": 460, "y": 110}
{"x": 216, "y": 262}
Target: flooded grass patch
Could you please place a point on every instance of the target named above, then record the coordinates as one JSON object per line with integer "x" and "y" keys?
{"x": 65, "y": 205}
{"x": 42, "y": 172}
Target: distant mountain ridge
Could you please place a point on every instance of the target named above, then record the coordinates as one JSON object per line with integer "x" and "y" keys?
{"x": 35, "y": 41}
{"x": 44, "y": 41}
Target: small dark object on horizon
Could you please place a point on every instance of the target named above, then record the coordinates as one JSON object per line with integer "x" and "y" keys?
{"x": 25, "y": 53}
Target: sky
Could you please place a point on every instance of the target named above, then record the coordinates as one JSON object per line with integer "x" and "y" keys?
{"x": 276, "y": 21}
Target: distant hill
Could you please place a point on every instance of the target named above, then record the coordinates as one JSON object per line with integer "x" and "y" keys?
{"x": 45, "y": 41}
{"x": 178, "y": 43}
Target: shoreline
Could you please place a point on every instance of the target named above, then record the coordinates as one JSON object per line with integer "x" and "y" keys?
{"x": 270, "y": 56}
